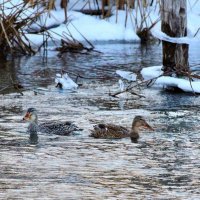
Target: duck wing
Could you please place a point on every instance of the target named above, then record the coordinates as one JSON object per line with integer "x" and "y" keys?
{"x": 109, "y": 131}
{"x": 58, "y": 128}
{"x": 116, "y": 131}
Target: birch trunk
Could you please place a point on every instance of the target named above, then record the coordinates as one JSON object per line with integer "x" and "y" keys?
{"x": 174, "y": 24}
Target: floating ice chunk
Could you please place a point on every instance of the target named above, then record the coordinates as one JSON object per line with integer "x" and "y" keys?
{"x": 188, "y": 86}
{"x": 121, "y": 85}
{"x": 58, "y": 75}
{"x": 123, "y": 95}
{"x": 65, "y": 82}
{"x": 183, "y": 84}
{"x": 167, "y": 81}
{"x": 42, "y": 89}
{"x": 151, "y": 72}
{"x": 130, "y": 76}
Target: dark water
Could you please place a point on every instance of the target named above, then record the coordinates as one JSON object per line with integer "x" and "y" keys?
{"x": 164, "y": 164}
{"x": 37, "y": 71}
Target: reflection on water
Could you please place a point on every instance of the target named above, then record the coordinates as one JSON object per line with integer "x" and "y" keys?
{"x": 164, "y": 164}
{"x": 33, "y": 72}
{"x": 33, "y": 138}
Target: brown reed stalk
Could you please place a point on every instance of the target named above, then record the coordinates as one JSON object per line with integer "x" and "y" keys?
{"x": 13, "y": 40}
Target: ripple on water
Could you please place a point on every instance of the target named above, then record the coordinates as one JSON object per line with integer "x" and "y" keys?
{"x": 164, "y": 164}
{"x": 87, "y": 168}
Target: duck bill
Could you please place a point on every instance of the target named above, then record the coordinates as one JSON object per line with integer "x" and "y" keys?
{"x": 27, "y": 116}
{"x": 148, "y": 127}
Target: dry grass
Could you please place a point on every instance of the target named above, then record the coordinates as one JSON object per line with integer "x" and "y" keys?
{"x": 14, "y": 41}
{"x": 12, "y": 36}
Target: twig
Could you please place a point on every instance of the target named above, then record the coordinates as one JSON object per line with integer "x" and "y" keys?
{"x": 126, "y": 90}
{"x": 1, "y": 90}
{"x": 149, "y": 83}
{"x": 16, "y": 86}
{"x": 81, "y": 76}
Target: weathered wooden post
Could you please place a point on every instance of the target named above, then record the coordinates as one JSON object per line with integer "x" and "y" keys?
{"x": 174, "y": 24}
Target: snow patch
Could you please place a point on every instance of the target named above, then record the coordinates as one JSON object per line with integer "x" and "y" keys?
{"x": 167, "y": 81}
{"x": 65, "y": 82}
{"x": 130, "y": 76}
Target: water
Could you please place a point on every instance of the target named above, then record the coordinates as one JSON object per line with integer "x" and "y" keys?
{"x": 164, "y": 164}
{"x": 35, "y": 71}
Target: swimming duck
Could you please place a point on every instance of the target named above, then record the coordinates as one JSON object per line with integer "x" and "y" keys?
{"x": 57, "y": 128}
{"x": 111, "y": 131}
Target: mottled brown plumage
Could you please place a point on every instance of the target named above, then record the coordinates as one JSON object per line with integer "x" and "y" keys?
{"x": 112, "y": 131}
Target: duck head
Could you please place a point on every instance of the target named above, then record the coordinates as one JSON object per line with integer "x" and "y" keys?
{"x": 31, "y": 115}
{"x": 140, "y": 122}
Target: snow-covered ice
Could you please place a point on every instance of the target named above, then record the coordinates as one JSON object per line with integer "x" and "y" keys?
{"x": 65, "y": 82}
{"x": 167, "y": 81}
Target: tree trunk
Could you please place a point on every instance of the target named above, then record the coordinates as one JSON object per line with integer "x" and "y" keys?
{"x": 120, "y": 4}
{"x": 174, "y": 24}
{"x": 131, "y": 4}
{"x": 105, "y": 11}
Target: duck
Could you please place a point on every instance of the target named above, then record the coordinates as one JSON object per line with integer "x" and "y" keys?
{"x": 112, "y": 131}
{"x": 57, "y": 128}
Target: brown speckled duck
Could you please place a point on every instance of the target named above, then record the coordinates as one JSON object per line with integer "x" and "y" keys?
{"x": 57, "y": 128}
{"x": 112, "y": 131}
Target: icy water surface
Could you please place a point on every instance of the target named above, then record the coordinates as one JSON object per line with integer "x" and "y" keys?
{"x": 164, "y": 164}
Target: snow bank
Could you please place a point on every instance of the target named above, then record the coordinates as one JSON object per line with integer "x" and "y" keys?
{"x": 95, "y": 29}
